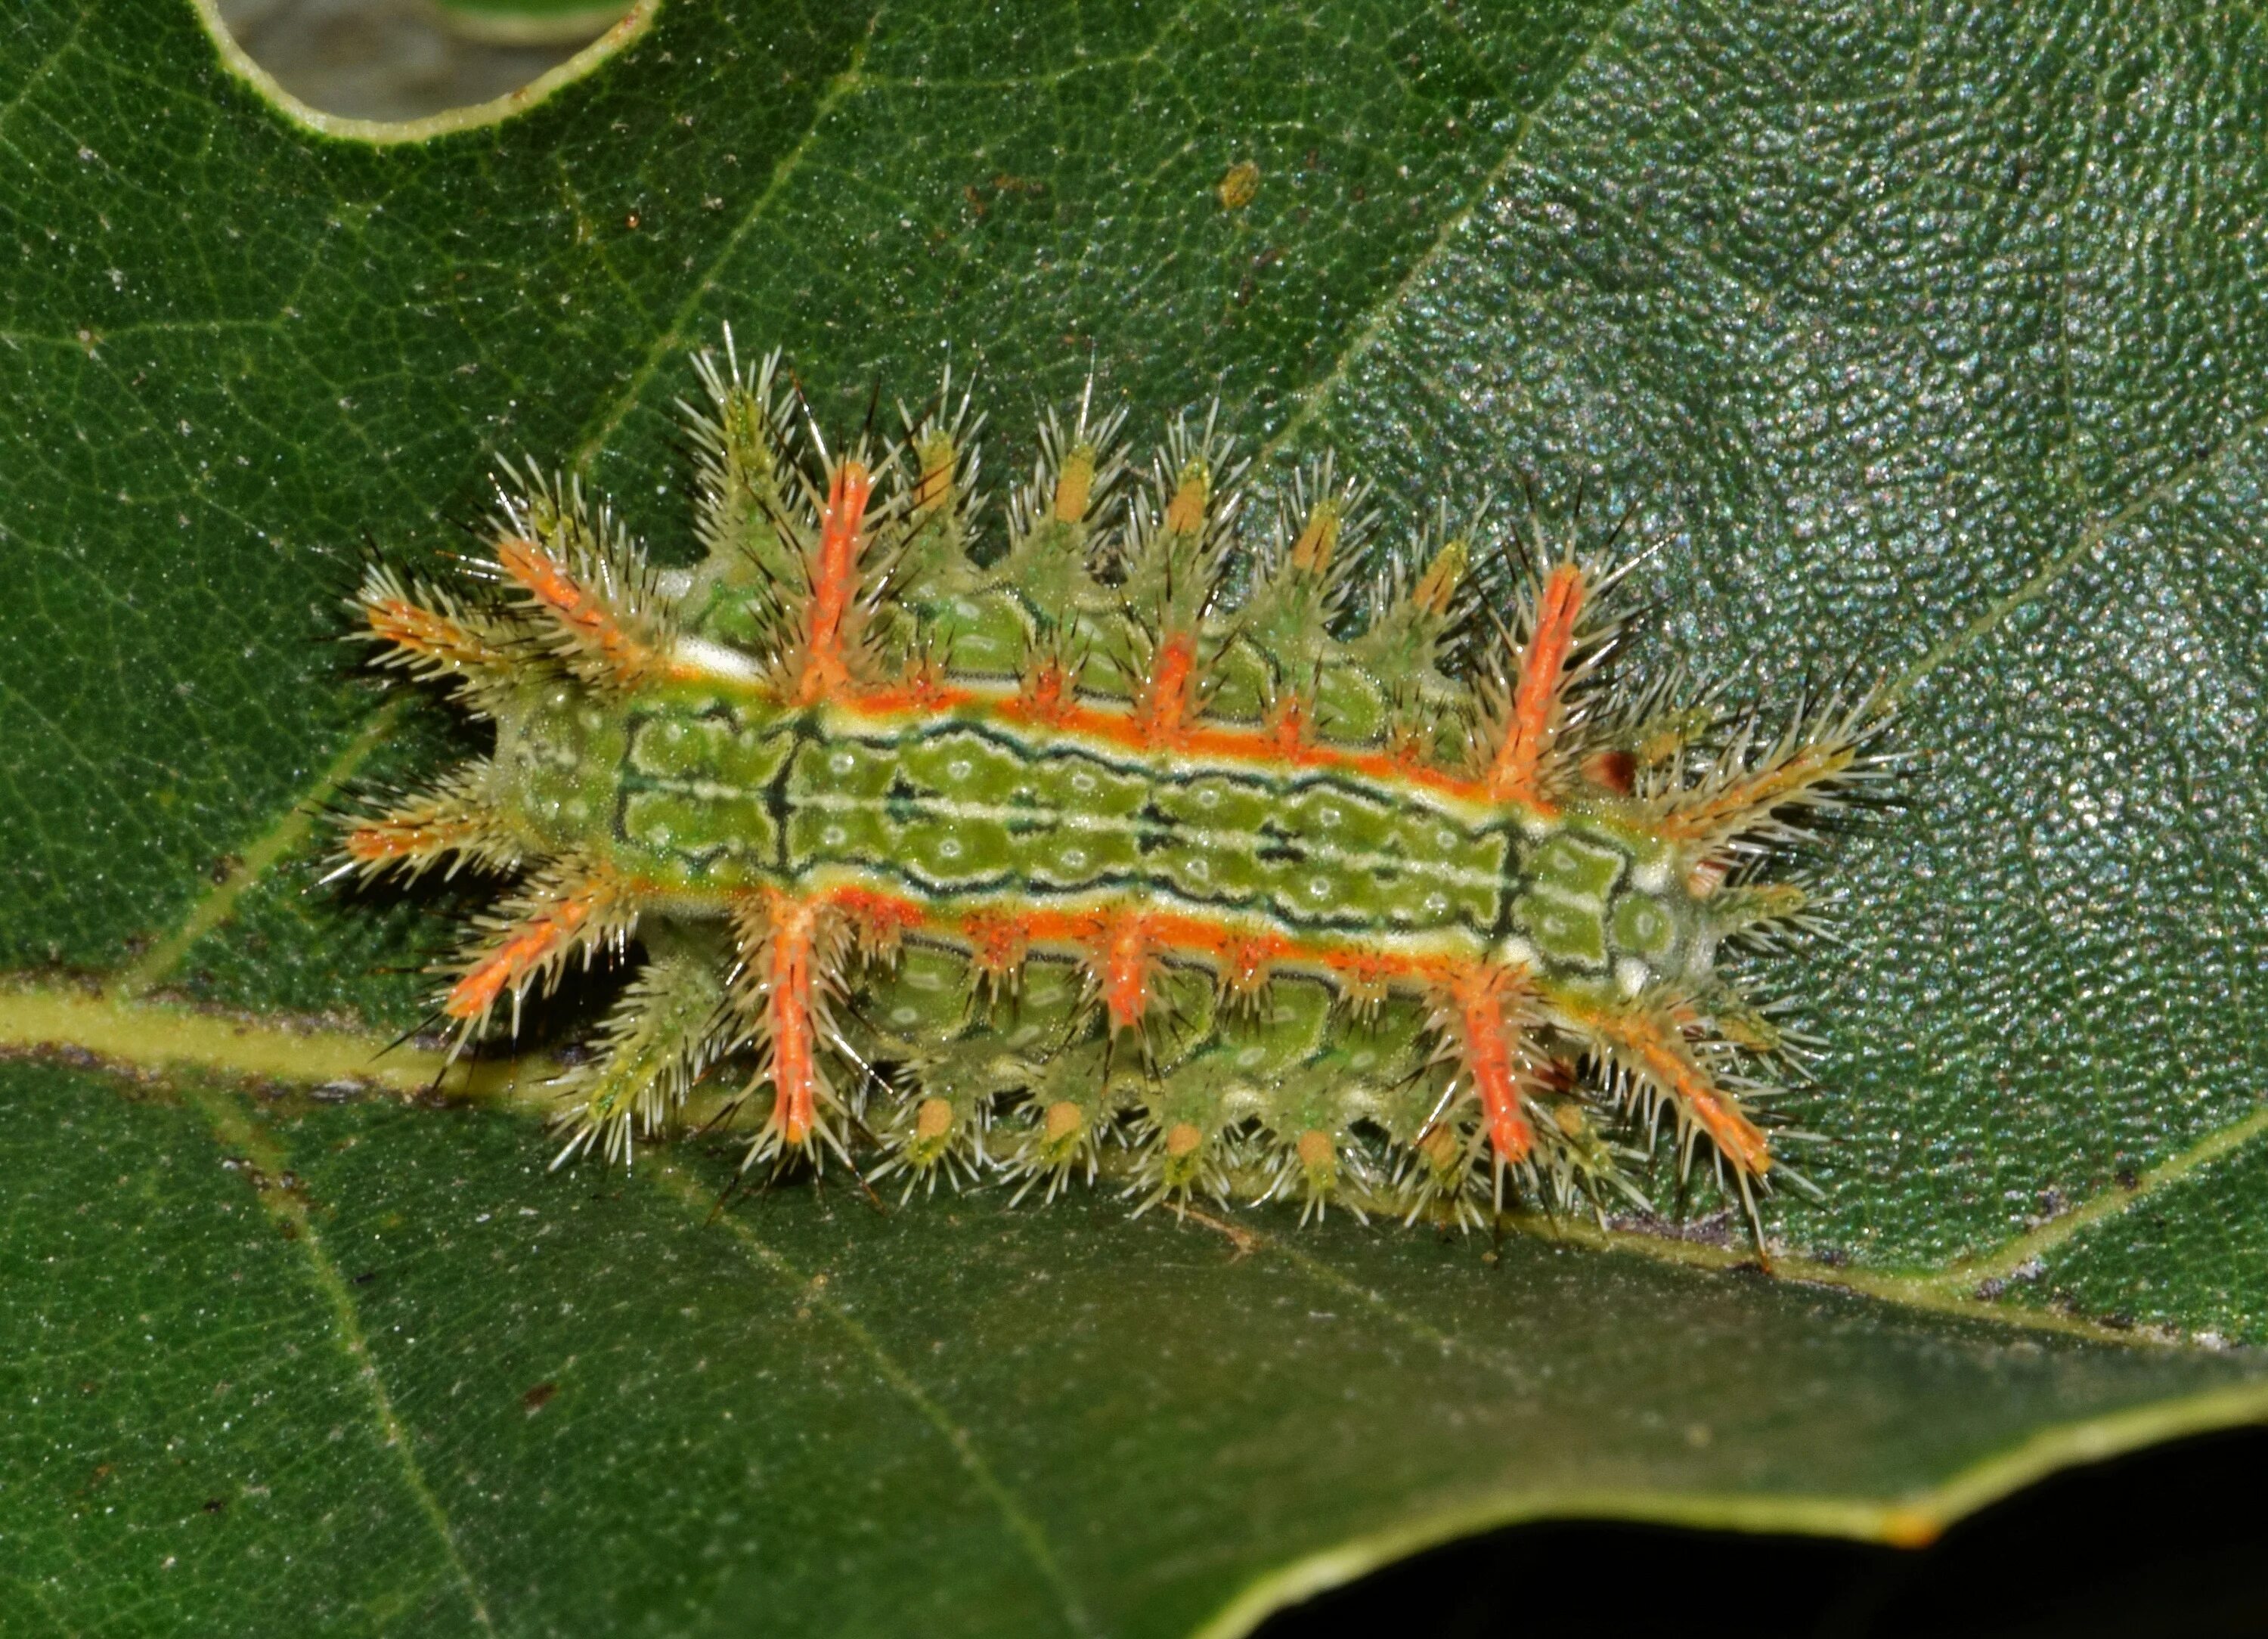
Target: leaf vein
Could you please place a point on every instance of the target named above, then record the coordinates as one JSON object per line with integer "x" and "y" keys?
{"x": 1022, "y": 1524}
{"x": 2092, "y": 537}
{"x": 1311, "y": 400}
{"x": 47, "y": 66}
{"x": 838, "y": 88}
{"x": 227, "y": 1122}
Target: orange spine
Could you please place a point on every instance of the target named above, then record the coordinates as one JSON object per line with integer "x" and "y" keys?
{"x": 1535, "y": 701}
{"x": 795, "y": 1069}
{"x": 1492, "y": 1055}
{"x": 834, "y": 585}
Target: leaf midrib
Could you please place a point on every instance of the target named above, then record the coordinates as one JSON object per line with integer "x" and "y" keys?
{"x": 143, "y": 1036}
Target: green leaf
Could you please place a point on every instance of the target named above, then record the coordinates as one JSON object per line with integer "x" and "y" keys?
{"x": 1933, "y": 349}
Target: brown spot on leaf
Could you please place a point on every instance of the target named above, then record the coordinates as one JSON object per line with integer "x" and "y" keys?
{"x": 1240, "y": 185}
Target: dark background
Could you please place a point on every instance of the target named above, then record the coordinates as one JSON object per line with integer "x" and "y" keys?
{"x": 2170, "y": 1542}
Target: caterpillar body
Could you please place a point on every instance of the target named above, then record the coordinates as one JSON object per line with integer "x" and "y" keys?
{"x": 1293, "y": 865}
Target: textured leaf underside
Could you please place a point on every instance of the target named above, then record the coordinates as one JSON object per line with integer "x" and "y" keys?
{"x": 1930, "y": 343}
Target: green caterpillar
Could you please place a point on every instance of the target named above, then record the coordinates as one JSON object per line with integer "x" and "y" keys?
{"x": 1266, "y": 857}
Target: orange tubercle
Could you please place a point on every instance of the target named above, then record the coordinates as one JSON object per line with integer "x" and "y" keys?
{"x": 1534, "y": 721}
{"x": 1767, "y": 787}
{"x": 1490, "y": 1040}
{"x": 524, "y": 951}
{"x": 579, "y": 610}
{"x": 879, "y": 921}
{"x": 1365, "y": 977}
{"x": 1287, "y": 723}
{"x": 1665, "y": 1059}
{"x": 1733, "y": 1132}
{"x": 787, "y": 1011}
{"x": 826, "y": 667}
{"x": 1245, "y": 965}
{"x": 420, "y": 630}
{"x": 998, "y": 945}
{"x": 397, "y": 839}
{"x": 1125, "y": 959}
{"x": 1046, "y": 692}
{"x": 1165, "y": 705}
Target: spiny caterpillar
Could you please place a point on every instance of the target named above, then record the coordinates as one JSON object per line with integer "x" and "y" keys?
{"x": 1292, "y": 865}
